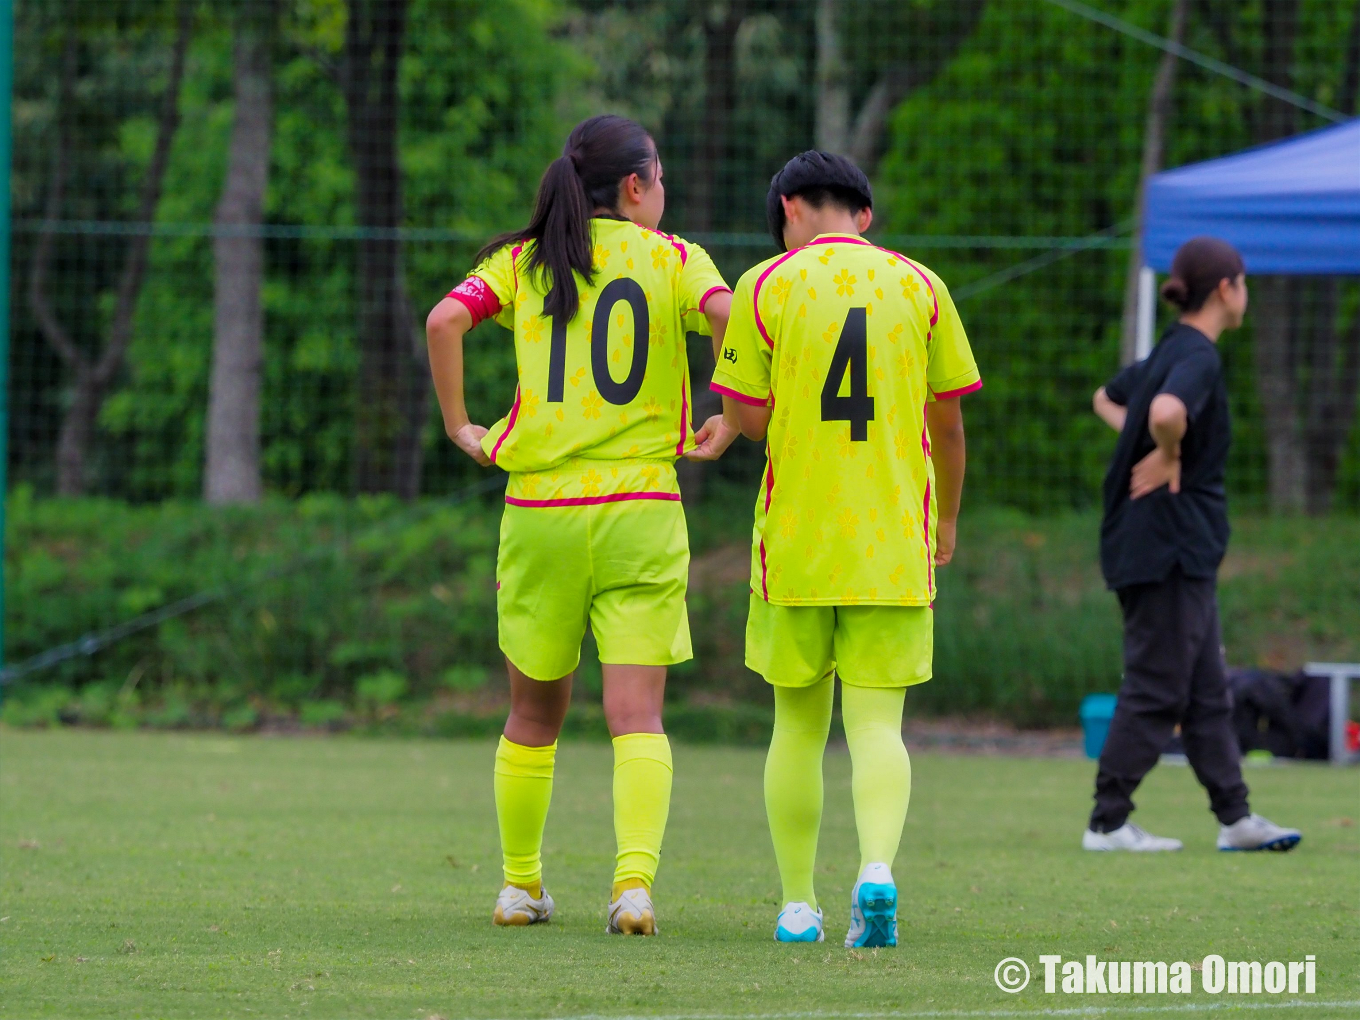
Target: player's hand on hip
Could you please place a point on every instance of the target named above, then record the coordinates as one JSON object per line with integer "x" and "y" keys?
{"x": 469, "y": 440}
{"x": 1158, "y": 468}
{"x": 714, "y": 437}
{"x": 946, "y": 533}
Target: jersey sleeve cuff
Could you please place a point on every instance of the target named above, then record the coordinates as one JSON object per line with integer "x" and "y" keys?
{"x": 958, "y": 391}
{"x": 720, "y": 289}
{"x": 476, "y": 295}
{"x": 737, "y": 395}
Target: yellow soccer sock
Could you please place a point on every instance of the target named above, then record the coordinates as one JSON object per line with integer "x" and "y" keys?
{"x": 793, "y": 783}
{"x": 881, "y": 780}
{"x": 642, "y": 801}
{"x": 524, "y": 780}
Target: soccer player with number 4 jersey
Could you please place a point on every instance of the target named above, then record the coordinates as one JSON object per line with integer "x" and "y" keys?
{"x": 849, "y": 361}
{"x": 593, "y": 534}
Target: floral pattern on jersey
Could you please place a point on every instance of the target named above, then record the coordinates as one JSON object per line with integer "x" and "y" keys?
{"x": 528, "y": 403}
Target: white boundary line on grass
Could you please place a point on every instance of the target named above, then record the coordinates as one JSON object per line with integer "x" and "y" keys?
{"x": 1188, "y": 1007}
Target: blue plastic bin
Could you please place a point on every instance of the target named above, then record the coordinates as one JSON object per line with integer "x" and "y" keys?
{"x": 1096, "y": 712}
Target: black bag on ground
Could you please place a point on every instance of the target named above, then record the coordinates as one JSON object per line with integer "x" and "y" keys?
{"x": 1283, "y": 713}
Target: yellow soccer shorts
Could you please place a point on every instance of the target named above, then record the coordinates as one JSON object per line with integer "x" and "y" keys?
{"x": 868, "y": 646}
{"x": 620, "y": 567}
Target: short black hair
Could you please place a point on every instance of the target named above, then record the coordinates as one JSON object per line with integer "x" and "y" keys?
{"x": 819, "y": 178}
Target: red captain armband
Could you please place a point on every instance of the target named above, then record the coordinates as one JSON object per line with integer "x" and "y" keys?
{"x": 479, "y": 299}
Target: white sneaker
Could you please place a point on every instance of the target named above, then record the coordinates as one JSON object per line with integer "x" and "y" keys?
{"x": 798, "y": 922}
{"x": 1257, "y": 833}
{"x": 632, "y": 914}
{"x": 1127, "y": 837}
{"x": 516, "y": 908}
{"x": 873, "y": 909}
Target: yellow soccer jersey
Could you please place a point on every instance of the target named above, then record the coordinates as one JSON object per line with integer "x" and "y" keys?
{"x": 849, "y": 342}
{"x": 605, "y": 397}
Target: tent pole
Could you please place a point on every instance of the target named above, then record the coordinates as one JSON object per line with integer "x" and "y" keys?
{"x": 1147, "y": 312}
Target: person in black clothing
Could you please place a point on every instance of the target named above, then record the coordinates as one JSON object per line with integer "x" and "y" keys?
{"x": 1164, "y": 533}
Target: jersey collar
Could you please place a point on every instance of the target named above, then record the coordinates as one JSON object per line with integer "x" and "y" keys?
{"x": 837, "y": 239}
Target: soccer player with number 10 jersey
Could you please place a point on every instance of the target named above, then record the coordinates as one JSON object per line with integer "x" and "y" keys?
{"x": 849, "y": 361}
{"x": 599, "y": 302}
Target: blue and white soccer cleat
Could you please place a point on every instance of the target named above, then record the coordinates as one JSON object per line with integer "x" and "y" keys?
{"x": 873, "y": 909}
{"x": 798, "y": 922}
{"x": 1257, "y": 833}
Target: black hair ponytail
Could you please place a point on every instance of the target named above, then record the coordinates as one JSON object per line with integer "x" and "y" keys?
{"x": 1201, "y": 263}
{"x": 600, "y": 152}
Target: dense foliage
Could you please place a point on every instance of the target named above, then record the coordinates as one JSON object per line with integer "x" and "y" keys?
{"x": 1025, "y": 124}
{"x": 370, "y": 613}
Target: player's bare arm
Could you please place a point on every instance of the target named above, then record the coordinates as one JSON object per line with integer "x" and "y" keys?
{"x": 445, "y": 326}
{"x": 720, "y": 430}
{"x": 753, "y": 420}
{"x": 1167, "y": 421}
{"x": 1108, "y": 411}
{"x": 944, "y": 419}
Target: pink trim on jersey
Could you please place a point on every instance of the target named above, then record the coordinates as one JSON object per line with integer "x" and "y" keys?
{"x": 755, "y": 292}
{"x": 934, "y": 298}
{"x": 930, "y": 559}
{"x": 925, "y": 448}
{"x": 741, "y": 397}
{"x": 616, "y": 497}
{"x": 684, "y": 415}
{"x": 476, "y": 295}
{"x": 514, "y": 258}
{"x": 769, "y": 494}
{"x": 710, "y": 292}
{"x": 764, "y": 587}
{"x": 841, "y": 239}
{"x": 509, "y": 425}
{"x": 963, "y": 391}
{"x": 678, "y": 246}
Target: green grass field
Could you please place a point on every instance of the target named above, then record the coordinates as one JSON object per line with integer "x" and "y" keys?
{"x": 165, "y": 875}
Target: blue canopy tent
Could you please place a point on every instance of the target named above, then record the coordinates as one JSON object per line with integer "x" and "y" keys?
{"x": 1290, "y": 207}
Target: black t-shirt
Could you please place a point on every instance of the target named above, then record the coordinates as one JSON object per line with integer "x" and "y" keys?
{"x": 1145, "y": 540}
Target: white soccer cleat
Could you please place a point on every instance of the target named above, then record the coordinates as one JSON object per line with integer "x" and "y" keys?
{"x": 1257, "y": 833}
{"x": 798, "y": 922}
{"x": 873, "y": 909}
{"x": 515, "y": 908}
{"x": 1127, "y": 837}
{"x": 632, "y": 914}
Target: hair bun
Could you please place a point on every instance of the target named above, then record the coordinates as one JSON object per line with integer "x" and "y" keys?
{"x": 1175, "y": 291}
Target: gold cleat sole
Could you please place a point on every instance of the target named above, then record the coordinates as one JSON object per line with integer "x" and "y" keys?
{"x": 513, "y": 921}
{"x": 632, "y": 924}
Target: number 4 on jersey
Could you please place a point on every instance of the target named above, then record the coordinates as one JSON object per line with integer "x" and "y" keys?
{"x": 852, "y": 356}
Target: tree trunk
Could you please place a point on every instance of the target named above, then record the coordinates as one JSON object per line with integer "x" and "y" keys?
{"x": 232, "y": 469}
{"x": 393, "y": 377}
{"x": 1276, "y": 310}
{"x": 720, "y": 98}
{"x": 1332, "y": 366}
{"x": 1333, "y": 362}
{"x": 897, "y": 80}
{"x": 1154, "y": 137}
{"x": 832, "y": 133}
{"x": 93, "y": 377}
{"x": 1276, "y": 299}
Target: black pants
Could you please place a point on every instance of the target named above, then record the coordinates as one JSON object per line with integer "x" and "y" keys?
{"x": 1173, "y": 673}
